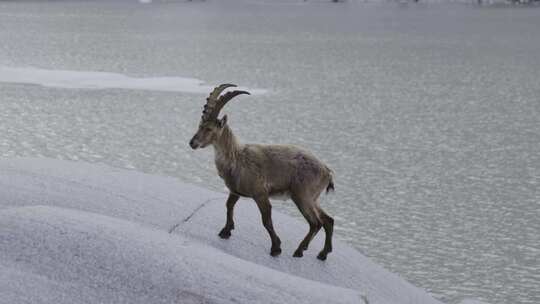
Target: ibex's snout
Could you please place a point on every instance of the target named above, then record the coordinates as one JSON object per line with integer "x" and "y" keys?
{"x": 193, "y": 143}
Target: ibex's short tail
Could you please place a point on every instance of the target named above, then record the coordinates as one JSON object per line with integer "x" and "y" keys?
{"x": 330, "y": 186}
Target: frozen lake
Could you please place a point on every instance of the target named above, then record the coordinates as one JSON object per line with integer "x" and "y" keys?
{"x": 428, "y": 114}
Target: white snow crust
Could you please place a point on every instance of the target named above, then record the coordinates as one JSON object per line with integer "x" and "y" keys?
{"x": 104, "y": 80}
{"x": 79, "y": 233}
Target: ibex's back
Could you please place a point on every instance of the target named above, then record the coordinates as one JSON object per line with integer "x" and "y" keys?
{"x": 264, "y": 171}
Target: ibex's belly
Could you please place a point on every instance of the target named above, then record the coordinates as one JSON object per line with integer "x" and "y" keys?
{"x": 281, "y": 196}
{"x": 251, "y": 186}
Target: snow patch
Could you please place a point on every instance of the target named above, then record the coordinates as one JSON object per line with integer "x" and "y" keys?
{"x": 106, "y": 260}
{"x": 76, "y": 233}
{"x": 105, "y": 80}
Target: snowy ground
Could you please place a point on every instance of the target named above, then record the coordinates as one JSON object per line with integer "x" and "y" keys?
{"x": 79, "y": 233}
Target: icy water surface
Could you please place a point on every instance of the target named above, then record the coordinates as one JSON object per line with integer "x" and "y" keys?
{"x": 428, "y": 114}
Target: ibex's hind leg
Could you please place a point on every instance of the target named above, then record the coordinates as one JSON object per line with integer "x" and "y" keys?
{"x": 225, "y": 233}
{"x": 314, "y": 227}
{"x": 266, "y": 213}
{"x": 328, "y": 225}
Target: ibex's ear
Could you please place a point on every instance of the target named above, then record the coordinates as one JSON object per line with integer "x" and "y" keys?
{"x": 223, "y": 121}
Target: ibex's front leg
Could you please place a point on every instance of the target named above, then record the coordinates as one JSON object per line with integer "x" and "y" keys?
{"x": 266, "y": 213}
{"x": 225, "y": 233}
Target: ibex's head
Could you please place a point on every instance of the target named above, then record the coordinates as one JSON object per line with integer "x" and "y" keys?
{"x": 211, "y": 126}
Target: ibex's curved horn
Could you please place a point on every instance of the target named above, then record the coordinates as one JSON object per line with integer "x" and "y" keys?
{"x": 214, "y": 102}
{"x": 217, "y": 90}
{"x": 230, "y": 95}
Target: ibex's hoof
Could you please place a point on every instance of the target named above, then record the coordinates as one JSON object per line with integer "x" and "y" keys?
{"x": 225, "y": 234}
{"x": 322, "y": 256}
{"x": 298, "y": 254}
{"x": 275, "y": 252}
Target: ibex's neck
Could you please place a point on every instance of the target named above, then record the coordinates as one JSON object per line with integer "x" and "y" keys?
{"x": 226, "y": 146}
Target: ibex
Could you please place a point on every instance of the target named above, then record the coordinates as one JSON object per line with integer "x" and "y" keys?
{"x": 261, "y": 172}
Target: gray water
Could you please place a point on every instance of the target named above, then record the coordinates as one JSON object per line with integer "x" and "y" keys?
{"x": 428, "y": 114}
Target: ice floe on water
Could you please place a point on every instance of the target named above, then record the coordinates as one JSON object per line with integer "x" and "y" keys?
{"x": 105, "y": 80}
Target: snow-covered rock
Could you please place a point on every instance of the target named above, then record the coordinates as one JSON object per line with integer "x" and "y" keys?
{"x": 80, "y": 233}
{"x": 75, "y": 256}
